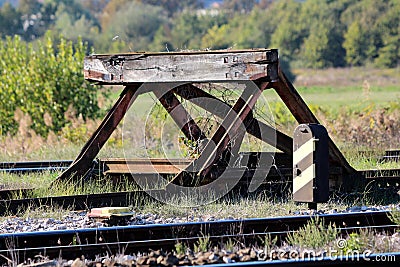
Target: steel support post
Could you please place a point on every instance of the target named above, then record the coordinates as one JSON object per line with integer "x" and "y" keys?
{"x": 83, "y": 163}
{"x": 180, "y": 115}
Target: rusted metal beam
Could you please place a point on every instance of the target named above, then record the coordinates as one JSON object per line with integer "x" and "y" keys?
{"x": 303, "y": 114}
{"x": 219, "y": 108}
{"x": 83, "y": 163}
{"x": 196, "y": 66}
{"x": 179, "y": 114}
{"x": 143, "y": 166}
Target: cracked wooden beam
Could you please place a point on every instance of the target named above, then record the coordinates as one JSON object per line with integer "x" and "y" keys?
{"x": 198, "y": 66}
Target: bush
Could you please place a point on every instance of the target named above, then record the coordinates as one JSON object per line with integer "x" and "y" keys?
{"x": 43, "y": 82}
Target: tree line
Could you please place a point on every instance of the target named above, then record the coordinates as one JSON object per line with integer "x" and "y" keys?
{"x": 316, "y": 34}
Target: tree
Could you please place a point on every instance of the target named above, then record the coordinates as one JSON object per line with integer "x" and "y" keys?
{"x": 110, "y": 11}
{"x": 355, "y": 44}
{"x": 74, "y": 22}
{"x": 47, "y": 80}
{"x": 29, "y": 6}
{"x": 287, "y": 35}
{"x": 175, "y": 6}
{"x": 389, "y": 53}
{"x": 10, "y": 20}
{"x": 215, "y": 38}
{"x": 250, "y": 30}
{"x": 134, "y": 28}
{"x": 94, "y": 6}
{"x": 186, "y": 30}
{"x": 239, "y": 6}
{"x": 319, "y": 23}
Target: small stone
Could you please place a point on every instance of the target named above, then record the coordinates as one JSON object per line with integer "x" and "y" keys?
{"x": 61, "y": 227}
{"x": 184, "y": 262}
{"x": 151, "y": 261}
{"x": 227, "y": 259}
{"x": 253, "y": 255}
{"x": 170, "y": 260}
{"x": 160, "y": 259}
{"x": 127, "y": 260}
{"x": 207, "y": 254}
{"x": 243, "y": 252}
{"x": 213, "y": 257}
{"x": 78, "y": 263}
{"x": 141, "y": 260}
{"x": 200, "y": 260}
{"x": 245, "y": 258}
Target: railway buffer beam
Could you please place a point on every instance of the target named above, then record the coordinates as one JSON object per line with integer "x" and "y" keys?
{"x": 174, "y": 76}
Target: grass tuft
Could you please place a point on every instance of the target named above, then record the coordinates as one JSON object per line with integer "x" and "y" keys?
{"x": 313, "y": 235}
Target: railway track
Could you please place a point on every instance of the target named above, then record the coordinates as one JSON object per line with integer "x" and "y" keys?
{"x": 34, "y": 166}
{"x": 70, "y": 244}
{"x": 134, "y": 239}
{"x": 391, "y": 155}
{"x": 117, "y": 168}
{"x": 123, "y": 167}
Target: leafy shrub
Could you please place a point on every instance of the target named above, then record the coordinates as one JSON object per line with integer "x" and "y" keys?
{"x": 43, "y": 82}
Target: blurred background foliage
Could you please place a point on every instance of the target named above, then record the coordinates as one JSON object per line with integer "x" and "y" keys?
{"x": 316, "y": 34}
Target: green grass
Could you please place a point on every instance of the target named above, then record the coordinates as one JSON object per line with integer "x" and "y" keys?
{"x": 364, "y": 158}
{"x": 32, "y": 180}
{"x": 394, "y": 216}
{"x": 349, "y": 97}
{"x": 315, "y": 234}
{"x": 44, "y": 185}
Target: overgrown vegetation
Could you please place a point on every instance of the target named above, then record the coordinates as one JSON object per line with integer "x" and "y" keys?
{"x": 203, "y": 244}
{"x": 394, "y": 216}
{"x": 44, "y": 82}
{"x": 315, "y": 234}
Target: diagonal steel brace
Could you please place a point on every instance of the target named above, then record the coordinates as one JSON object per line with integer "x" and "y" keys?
{"x": 254, "y": 127}
{"x": 83, "y": 163}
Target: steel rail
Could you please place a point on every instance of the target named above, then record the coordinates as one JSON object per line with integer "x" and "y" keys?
{"x": 371, "y": 260}
{"x": 90, "y": 250}
{"x": 275, "y": 226}
{"x": 120, "y": 166}
{"x": 134, "y": 239}
{"x": 76, "y": 202}
{"x": 391, "y": 155}
{"x": 34, "y": 166}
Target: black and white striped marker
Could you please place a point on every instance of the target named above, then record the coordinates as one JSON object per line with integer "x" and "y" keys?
{"x": 310, "y": 164}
